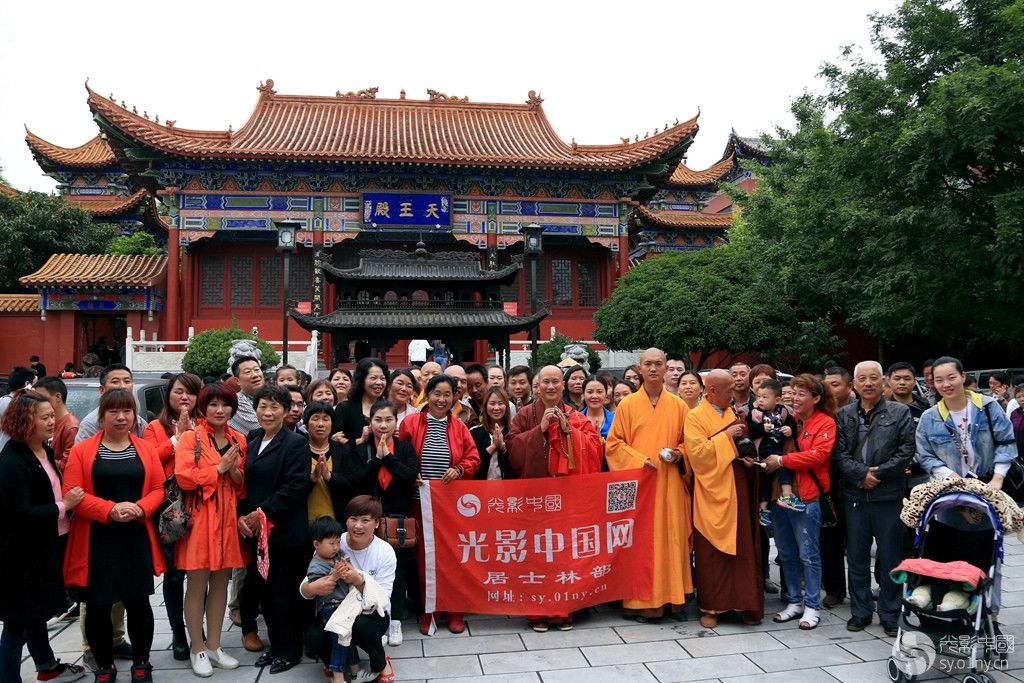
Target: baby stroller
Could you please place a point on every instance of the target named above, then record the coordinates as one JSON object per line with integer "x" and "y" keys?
{"x": 947, "y": 602}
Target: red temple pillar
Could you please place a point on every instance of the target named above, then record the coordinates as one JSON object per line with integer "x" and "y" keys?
{"x": 188, "y": 288}
{"x": 623, "y": 255}
{"x": 172, "y": 308}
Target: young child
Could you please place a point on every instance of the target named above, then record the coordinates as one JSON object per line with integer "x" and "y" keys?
{"x": 328, "y": 560}
{"x": 773, "y": 423}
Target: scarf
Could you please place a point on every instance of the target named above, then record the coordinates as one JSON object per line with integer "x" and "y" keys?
{"x": 263, "y": 545}
{"x": 384, "y": 476}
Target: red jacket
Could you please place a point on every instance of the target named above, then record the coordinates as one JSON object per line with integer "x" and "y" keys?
{"x": 156, "y": 436}
{"x": 814, "y": 442}
{"x": 460, "y": 441}
{"x": 78, "y": 472}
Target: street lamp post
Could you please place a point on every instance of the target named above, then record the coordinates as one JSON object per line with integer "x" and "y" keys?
{"x": 532, "y": 247}
{"x": 286, "y": 232}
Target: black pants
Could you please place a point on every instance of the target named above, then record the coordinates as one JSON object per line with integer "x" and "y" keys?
{"x": 174, "y": 591}
{"x": 278, "y": 596}
{"x": 833, "y": 556}
{"x": 99, "y": 630}
{"x": 877, "y": 521}
{"x": 405, "y": 590}
{"x": 366, "y": 635}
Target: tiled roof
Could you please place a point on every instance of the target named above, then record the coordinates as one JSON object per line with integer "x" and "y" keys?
{"x": 747, "y": 146}
{"x": 687, "y": 177}
{"x": 362, "y": 128}
{"x": 7, "y": 190}
{"x": 106, "y": 205}
{"x": 19, "y": 303}
{"x": 88, "y": 270}
{"x": 376, "y": 318}
{"x": 94, "y": 154}
{"x": 411, "y": 268}
{"x": 685, "y": 219}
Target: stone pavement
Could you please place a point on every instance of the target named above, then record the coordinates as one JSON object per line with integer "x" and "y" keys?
{"x": 605, "y": 647}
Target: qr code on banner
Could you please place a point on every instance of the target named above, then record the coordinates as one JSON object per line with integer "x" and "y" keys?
{"x": 621, "y": 496}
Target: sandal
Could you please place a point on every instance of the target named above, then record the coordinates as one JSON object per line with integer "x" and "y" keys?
{"x": 810, "y": 620}
{"x": 387, "y": 678}
{"x": 792, "y": 611}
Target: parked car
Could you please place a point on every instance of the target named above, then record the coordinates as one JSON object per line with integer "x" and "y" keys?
{"x": 982, "y": 376}
{"x": 84, "y": 396}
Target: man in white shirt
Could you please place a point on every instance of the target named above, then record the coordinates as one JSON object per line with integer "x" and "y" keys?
{"x": 418, "y": 349}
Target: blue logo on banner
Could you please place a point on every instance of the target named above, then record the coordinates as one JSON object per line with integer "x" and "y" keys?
{"x": 395, "y": 208}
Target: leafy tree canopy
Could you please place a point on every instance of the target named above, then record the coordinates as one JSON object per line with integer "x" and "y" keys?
{"x": 34, "y": 226}
{"x": 139, "y": 244}
{"x": 897, "y": 202}
{"x": 208, "y": 351}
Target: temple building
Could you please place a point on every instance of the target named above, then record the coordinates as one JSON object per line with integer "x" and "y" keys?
{"x": 460, "y": 180}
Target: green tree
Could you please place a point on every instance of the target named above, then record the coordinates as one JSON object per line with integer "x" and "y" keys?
{"x": 700, "y": 302}
{"x": 209, "y": 350}
{"x": 897, "y": 202}
{"x": 140, "y": 243}
{"x": 34, "y": 226}
{"x": 550, "y": 352}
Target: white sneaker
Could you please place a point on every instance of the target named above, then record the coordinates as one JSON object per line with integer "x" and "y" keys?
{"x": 221, "y": 659}
{"x": 366, "y": 676}
{"x": 201, "y": 665}
{"x": 395, "y": 633}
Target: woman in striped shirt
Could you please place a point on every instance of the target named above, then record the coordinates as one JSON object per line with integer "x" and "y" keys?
{"x": 447, "y": 452}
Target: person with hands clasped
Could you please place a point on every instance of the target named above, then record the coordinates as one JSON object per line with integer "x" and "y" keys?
{"x": 177, "y": 416}
{"x": 34, "y": 522}
{"x": 113, "y": 551}
{"x": 330, "y": 493}
{"x": 491, "y": 434}
{"x": 212, "y": 548}
{"x": 446, "y": 452}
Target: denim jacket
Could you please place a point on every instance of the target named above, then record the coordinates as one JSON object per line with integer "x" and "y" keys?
{"x": 936, "y": 447}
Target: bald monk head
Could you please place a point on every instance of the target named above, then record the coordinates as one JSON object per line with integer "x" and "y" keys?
{"x": 459, "y": 375}
{"x": 428, "y": 370}
{"x": 550, "y": 385}
{"x": 653, "y": 365}
{"x": 718, "y": 386}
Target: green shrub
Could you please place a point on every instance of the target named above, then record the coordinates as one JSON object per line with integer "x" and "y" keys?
{"x": 550, "y": 352}
{"x": 208, "y": 351}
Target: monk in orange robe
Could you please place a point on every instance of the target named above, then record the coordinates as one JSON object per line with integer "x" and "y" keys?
{"x": 726, "y": 538}
{"x": 548, "y": 438}
{"x": 645, "y": 424}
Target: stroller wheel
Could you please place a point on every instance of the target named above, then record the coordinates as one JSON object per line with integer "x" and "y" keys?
{"x": 895, "y": 675}
{"x": 977, "y": 678}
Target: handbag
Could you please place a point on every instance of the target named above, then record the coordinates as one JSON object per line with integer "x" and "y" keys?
{"x": 829, "y": 514}
{"x": 176, "y": 519}
{"x": 1013, "y": 482}
{"x": 398, "y": 530}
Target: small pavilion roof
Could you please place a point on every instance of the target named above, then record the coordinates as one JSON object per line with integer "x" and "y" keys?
{"x": 412, "y": 320}
{"x": 685, "y": 219}
{"x": 97, "y": 270}
{"x": 359, "y": 127}
{"x": 7, "y": 190}
{"x": 685, "y": 177}
{"x": 19, "y": 303}
{"x": 401, "y": 266}
{"x": 107, "y": 205}
{"x": 95, "y": 153}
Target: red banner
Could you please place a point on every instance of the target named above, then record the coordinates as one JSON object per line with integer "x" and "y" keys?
{"x": 535, "y": 546}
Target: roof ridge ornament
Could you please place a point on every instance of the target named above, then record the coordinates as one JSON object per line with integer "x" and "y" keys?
{"x": 438, "y": 96}
{"x": 534, "y": 99}
{"x": 364, "y": 94}
{"x": 267, "y": 88}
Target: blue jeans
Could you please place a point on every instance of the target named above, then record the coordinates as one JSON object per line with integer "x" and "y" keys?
{"x": 14, "y": 637}
{"x": 796, "y": 538}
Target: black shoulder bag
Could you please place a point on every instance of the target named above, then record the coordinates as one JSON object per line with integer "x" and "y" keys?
{"x": 1013, "y": 482}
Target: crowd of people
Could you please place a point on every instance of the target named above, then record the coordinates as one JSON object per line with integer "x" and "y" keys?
{"x": 300, "y": 496}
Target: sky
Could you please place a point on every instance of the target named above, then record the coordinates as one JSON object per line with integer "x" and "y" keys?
{"x": 605, "y": 69}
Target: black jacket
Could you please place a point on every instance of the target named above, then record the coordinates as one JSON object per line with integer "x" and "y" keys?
{"x": 277, "y": 480}
{"x": 349, "y": 419}
{"x": 341, "y": 492}
{"x": 889, "y": 447}
{"x": 31, "y": 554}
{"x": 359, "y": 473}
{"x": 482, "y": 438}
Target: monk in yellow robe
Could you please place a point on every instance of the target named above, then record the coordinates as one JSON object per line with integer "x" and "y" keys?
{"x": 645, "y": 423}
{"x": 726, "y": 537}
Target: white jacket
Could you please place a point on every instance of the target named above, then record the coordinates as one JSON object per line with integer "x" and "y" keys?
{"x": 371, "y": 598}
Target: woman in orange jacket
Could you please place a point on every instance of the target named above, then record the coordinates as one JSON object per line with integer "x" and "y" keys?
{"x": 177, "y": 417}
{"x": 209, "y": 463}
{"x": 113, "y": 551}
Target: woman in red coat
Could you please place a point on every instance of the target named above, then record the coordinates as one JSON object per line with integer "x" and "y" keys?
{"x": 177, "y": 417}
{"x": 447, "y": 452}
{"x": 113, "y": 552}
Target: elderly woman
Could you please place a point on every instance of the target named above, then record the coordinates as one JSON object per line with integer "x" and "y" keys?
{"x": 177, "y": 417}
{"x": 402, "y": 393}
{"x": 34, "y": 523}
{"x": 329, "y": 493}
{"x": 113, "y": 551}
{"x": 272, "y": 516}
{"x": 208, "y": 465}
{"x": 446, "y": 452}
{"x": 797, "y": 533}
{"x": 968, "y": 435}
